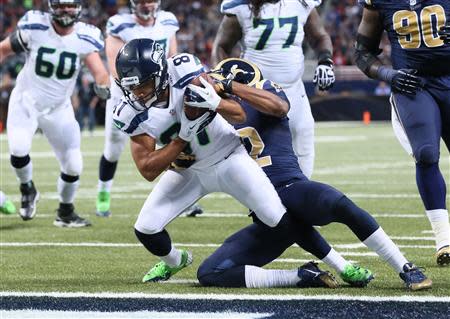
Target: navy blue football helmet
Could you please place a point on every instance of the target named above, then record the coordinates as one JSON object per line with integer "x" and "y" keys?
{"x": 242, "y": 71}
{"x": 142, "y": 63}
{"x": 65, "y": 12}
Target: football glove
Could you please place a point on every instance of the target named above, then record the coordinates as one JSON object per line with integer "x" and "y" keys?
{"x": 189, "y": 129}
{"x": 102, "y": 91}
{"x": 203, "y": 97}
{"x": 324, "y": 75}
{"x": 402, "y": 81}
{"x": 225, "y": 84}
{"x": 444, "y": 33}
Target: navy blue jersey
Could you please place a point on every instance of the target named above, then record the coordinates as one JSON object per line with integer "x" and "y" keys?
{"x": 412, "y": 27}
{"x": 268, "y": 140}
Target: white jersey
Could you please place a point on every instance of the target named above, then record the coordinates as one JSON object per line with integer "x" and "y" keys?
{"x": 274, "y": 40}
{"x": 53, "y": 61}
{"x": 211, "y": 146}
{"x": 125, "y": 27}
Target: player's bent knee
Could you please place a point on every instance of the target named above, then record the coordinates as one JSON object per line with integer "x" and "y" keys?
{"x": 72, "y": 164}
{"x": 427, "y": 155}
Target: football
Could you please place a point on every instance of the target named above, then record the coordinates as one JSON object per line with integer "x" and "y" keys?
{"x": 193, "y": 113}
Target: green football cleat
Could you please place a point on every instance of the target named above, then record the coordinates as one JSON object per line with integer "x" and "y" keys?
{"x": 103, "y": 204}
{"x": 162, "y": 272}
{"x": 8, "y": 207}
{"x": 356, "y": 276}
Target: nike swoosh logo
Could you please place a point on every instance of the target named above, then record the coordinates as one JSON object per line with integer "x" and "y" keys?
{"x": 191, "y": 127}
{"x": 289, "y": 185}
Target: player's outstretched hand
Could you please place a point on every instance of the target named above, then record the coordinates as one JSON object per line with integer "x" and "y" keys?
{"x": 324, "y": 77}
{"x": 203, "y": 97}
{"x": 189, "y": 129}
{"x": 102, "y": 91}
{"x": 406, "y": 82}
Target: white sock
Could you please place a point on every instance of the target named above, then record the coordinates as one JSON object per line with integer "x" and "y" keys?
{"x": 441, "y": 227}
{"x": 2, "y": 198}
{"x": 67, "y": 191}
{"x": 105, "y": 186}
{"x": 256, "y": 277}
{"x": 24, "y": 174}
{"x": 173, "y": 258}
{"x": 380, "y": 243}
{"x": 335, "y": 260}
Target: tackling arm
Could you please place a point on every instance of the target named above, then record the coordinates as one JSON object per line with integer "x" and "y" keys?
{"x": 150, "y": 162}
{"x": 12, "y": 44}
{"x": 173, "y": 46}
{"x": 228, "y": 35}
{"x": 262, "y": 100}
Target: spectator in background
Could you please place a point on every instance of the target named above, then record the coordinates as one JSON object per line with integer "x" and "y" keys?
{"x": 87, "y": 102}
{"x": 382, "y": 89}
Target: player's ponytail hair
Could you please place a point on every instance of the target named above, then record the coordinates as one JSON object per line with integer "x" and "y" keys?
{"x": 255, "y": 5}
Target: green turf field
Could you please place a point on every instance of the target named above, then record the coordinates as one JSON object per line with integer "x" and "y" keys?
{"x": 365, "y": 162}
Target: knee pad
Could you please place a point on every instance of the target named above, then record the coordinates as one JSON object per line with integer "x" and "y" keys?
{"x": 19, "y": 162}
{"x": 427, "y": 154}
{"x": 72, "y": 162}
{"x": 69, "y": 178}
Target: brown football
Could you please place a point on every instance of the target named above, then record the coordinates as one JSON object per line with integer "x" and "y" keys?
{"x": 193, "y": 113}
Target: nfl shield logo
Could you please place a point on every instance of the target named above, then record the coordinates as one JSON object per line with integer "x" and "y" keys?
{"x": 412, "y": 3}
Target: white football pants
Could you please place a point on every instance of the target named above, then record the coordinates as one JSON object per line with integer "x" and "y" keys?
{"x": 237, "y": 175}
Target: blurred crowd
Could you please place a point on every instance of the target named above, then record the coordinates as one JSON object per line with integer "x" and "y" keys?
{"x": 199, "y": 21}
{"x": 341, "y": 19}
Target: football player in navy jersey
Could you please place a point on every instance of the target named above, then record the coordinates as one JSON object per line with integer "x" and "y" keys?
{"x": 419, "y": 33}
{"x": 267, "y": 138}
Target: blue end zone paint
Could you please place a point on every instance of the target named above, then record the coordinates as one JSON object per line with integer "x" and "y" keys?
{"x": 279, "y": 308}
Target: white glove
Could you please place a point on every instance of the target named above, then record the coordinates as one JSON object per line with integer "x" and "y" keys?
{"x": 189, "y": 129}
{"x": 102, "y": 91}
{"x": 324, "y": 77}
{"x": 205, "y": 97}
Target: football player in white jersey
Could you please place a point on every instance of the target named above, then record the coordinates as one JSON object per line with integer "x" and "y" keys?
{"x": 55, "y": 44}
{"x": 208, "y": 148}
{"x": 271, "y": 34}
{"x": 145, "y": 21}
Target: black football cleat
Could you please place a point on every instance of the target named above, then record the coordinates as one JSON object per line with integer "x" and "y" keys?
{"x": 30, "y": 197}
{"x": 68, "y": 218}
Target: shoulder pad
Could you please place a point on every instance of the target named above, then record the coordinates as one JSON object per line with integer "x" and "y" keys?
{"x": 314, "y": 3}
{"x": 119, "y": 22}
{"x": 91, "y": 34}
{"x": 233, "y": 6}
{"x": 183, "y": 68}
{"x": 127, "y": 119}
{"x": 168, "y": 19}
{"x": 34, "y": 20}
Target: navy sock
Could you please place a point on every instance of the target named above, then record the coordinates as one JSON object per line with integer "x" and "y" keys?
{"x": 158, "y": 244}
{"x": 232, "y": 277}
{"x": 107, "y": 169}
{"x": 431, "y": 186}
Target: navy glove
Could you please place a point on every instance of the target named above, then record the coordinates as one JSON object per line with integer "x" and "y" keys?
{"x": 402, "y": 81}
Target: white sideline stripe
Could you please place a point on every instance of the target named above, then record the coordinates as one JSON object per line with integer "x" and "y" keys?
{"x": 412, "y": 238}
{"x": 427, "y": 232}
{"x": 193, "y": 245}
{"x": 48, "y": 314}
{"x": 137, "y": 295}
